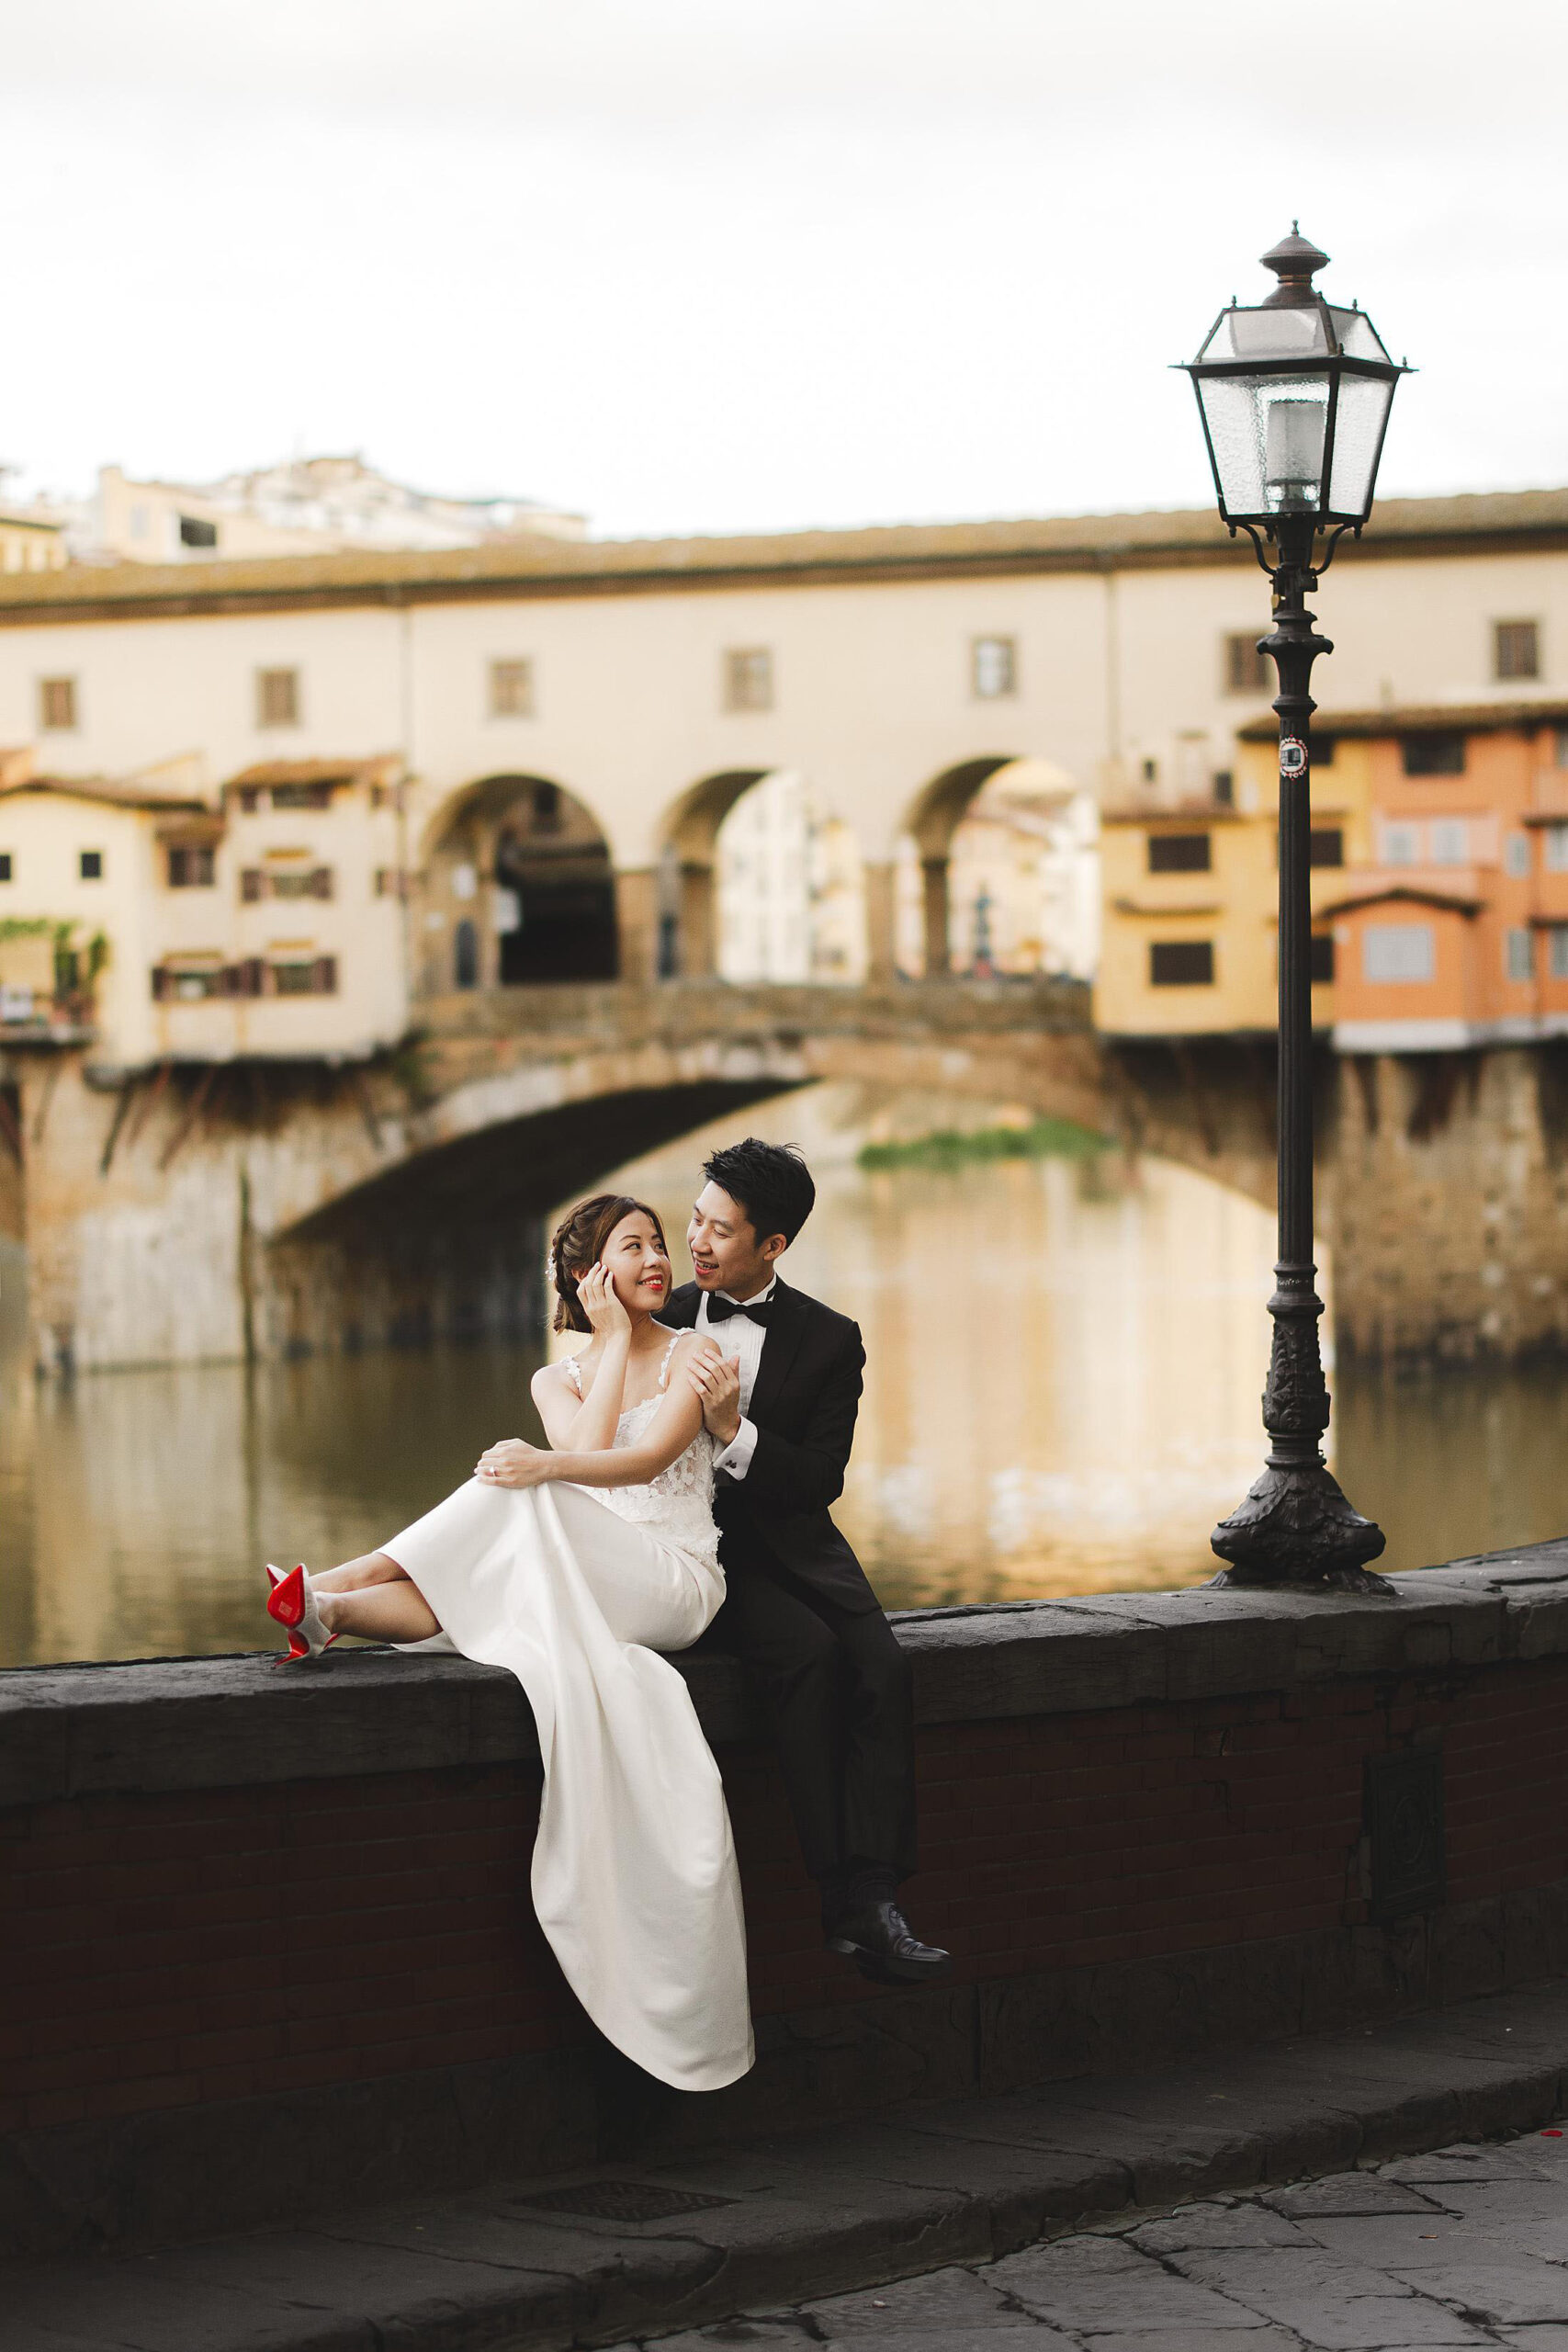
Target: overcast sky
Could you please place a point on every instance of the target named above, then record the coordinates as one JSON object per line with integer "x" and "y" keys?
{"x": 701, "y": 265}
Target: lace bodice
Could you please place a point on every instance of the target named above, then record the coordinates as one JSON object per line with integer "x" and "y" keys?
{"x": 677, "y": 1507}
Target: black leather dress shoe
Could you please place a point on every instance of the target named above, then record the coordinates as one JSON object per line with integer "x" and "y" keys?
{"x": 884, "y": 1947}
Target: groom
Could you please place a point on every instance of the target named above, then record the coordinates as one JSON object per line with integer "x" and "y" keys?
{"x": 779, "y": 1382}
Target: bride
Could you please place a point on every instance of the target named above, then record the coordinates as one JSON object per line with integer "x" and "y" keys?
{"x": 574, "y": 1567}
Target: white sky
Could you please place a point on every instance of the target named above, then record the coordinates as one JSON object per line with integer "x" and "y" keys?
{"x": 701, "y": 265}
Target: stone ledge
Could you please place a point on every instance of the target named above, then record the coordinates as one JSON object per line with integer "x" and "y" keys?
{"x": 787, "y": 2220}
{"x": 230, "y": 1722}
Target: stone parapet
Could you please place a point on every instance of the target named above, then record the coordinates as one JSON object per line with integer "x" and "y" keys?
{"x": 75, "y": 1731}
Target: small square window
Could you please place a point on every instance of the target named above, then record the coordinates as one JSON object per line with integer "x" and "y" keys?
{"x": 1178, "y": 854}
{"x": 1401, "y": 844}
{"x": 56, "y": 703}
{"x": 278, "y": 698}
{"x": 993, "y": 667}
{"x": 1398, "y": 952}
{"x": 1449, "y": 839}
{"x": 1151, "y": 771}
{"x": 90, "y": 864}
{"x": 1437, "y": 754}
{"x": 1181, "y": 963}
{"x": 1557, "y": 958}
{"x": 8, "y": 873}
{"x": 191, "y": 866}
{"x": 511, "y": 689}
{"x": 1321, "y": 959}
{"x": 1225, "y": 788}
{"x": 1516, "y": 649}
{"x": 1555, "y": 848}
{"x": 1246, "y": 672}
{"x": 1326, "y": 845}
{"x": 749, "y": 678}
{"x": 1516, "y": 855}
{"x": 196, "y": 531}
{"x": 1520, "y": 952}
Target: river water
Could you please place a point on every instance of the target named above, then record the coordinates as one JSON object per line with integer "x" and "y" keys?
{"x": 1064, "y": 1358}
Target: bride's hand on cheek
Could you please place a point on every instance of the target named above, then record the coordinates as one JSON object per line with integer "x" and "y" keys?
{"x": 596, "y": 1293}
{"x": 512, "y": 1462}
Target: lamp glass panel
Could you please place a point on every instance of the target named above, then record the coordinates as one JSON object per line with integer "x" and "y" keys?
{"x": 1230, "y": 412}
{"x": 1268, "y": 434}
{"x": 1286, "y": 335}
{"x": 1357, "y": 435}
{"x": 1358, "y": 339}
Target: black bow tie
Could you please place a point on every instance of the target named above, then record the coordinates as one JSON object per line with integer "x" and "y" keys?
{"x": 721, "y": 1308}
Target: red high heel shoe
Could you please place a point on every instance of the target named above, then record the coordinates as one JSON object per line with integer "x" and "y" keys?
{"x": 292, "y": 1604}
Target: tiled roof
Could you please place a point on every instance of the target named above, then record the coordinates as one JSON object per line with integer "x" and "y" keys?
{"x": 1377, "y": 892}
{"x": 317, "y": 771}
{"x": 1424, "y": 719}
{"x": 547, "y": 566}
{"x": 113, "y": 791}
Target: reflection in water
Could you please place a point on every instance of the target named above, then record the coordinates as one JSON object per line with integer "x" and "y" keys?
{"x": 1062, "y": 1395}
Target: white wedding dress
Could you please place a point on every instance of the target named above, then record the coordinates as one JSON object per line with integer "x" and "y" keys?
{"x": 633, "y": 1876}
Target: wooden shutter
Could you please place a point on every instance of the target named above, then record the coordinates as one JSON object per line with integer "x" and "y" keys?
{"x": 251, "y": 884}
{"x": 326, "y": 976}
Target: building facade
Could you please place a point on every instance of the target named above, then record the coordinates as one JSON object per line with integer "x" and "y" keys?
{"x": 572, "y": 724}
{"x": 264, "y": 920}
{"x": 301, "y": 506}
{"x": 1454, "y": 932}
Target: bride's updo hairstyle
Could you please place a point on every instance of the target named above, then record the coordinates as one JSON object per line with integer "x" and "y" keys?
{"x": 575, "y": 1246}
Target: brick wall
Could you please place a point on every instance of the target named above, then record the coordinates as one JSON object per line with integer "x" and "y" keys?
{"x": 201, "y": 1946}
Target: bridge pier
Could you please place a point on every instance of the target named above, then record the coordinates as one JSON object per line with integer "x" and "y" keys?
{"x": 636, "y": 923}
{"x": 881, "y": 924}
{"x": 1446, "y": 1204}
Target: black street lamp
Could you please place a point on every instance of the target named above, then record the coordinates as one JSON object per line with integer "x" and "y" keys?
{"x": 1295, "y": 395}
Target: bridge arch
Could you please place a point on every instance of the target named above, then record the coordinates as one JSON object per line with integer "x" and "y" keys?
{"x": 1045, "y": 900}
{"x": 758, "y": 883}
{"x": 409, "y": 1202}
{"x": 518, "y": 889}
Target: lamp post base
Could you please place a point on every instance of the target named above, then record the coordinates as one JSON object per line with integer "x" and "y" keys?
{"x": 1296, "y": 1528}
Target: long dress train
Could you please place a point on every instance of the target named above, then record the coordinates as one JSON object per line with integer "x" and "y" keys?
{"x": 634, "y": 1874}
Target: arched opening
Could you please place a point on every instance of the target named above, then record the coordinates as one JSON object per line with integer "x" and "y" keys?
{"x": 760, "y": 882}
{"x": 519, "y": 890}
{"x": 997, "y": 873}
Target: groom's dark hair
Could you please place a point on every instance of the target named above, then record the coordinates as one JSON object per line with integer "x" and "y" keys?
{"x": 769, "y": 1180}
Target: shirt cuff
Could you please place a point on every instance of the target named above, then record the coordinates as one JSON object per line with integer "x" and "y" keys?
{"x": 736, "y": 1458}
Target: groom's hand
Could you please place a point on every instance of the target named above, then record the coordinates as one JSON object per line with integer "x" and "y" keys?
{"x": 716, "y": 1379}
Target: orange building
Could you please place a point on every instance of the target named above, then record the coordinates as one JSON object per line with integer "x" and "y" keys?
{"x": 1457, "y": 934}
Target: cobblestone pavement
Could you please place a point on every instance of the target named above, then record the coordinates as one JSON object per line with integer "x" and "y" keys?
{"x": 1468, "y": 2246}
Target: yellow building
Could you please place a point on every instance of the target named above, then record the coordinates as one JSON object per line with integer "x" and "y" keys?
{"x": 1190, "y": 895}
{"x": 184, "y": 926}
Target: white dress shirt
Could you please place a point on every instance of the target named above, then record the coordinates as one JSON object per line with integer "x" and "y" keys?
{"x": 738, "y": 1336}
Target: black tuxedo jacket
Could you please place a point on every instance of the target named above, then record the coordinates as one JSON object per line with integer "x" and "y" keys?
{"x": 804, "y": 1405}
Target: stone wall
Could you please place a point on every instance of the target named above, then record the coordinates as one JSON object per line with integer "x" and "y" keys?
{"x": 1446, "y": 1204}
{"x": 269, "y": 1936}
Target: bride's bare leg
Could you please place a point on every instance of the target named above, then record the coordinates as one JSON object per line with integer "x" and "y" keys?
{"x": 370, "y": 1569}
{"x": 382, "y": 1610}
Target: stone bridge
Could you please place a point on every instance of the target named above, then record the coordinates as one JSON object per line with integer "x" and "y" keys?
{"x": 251, "y": 1209}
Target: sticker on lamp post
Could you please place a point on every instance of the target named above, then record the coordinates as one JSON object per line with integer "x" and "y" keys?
{"x": 1292, "y": 755}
